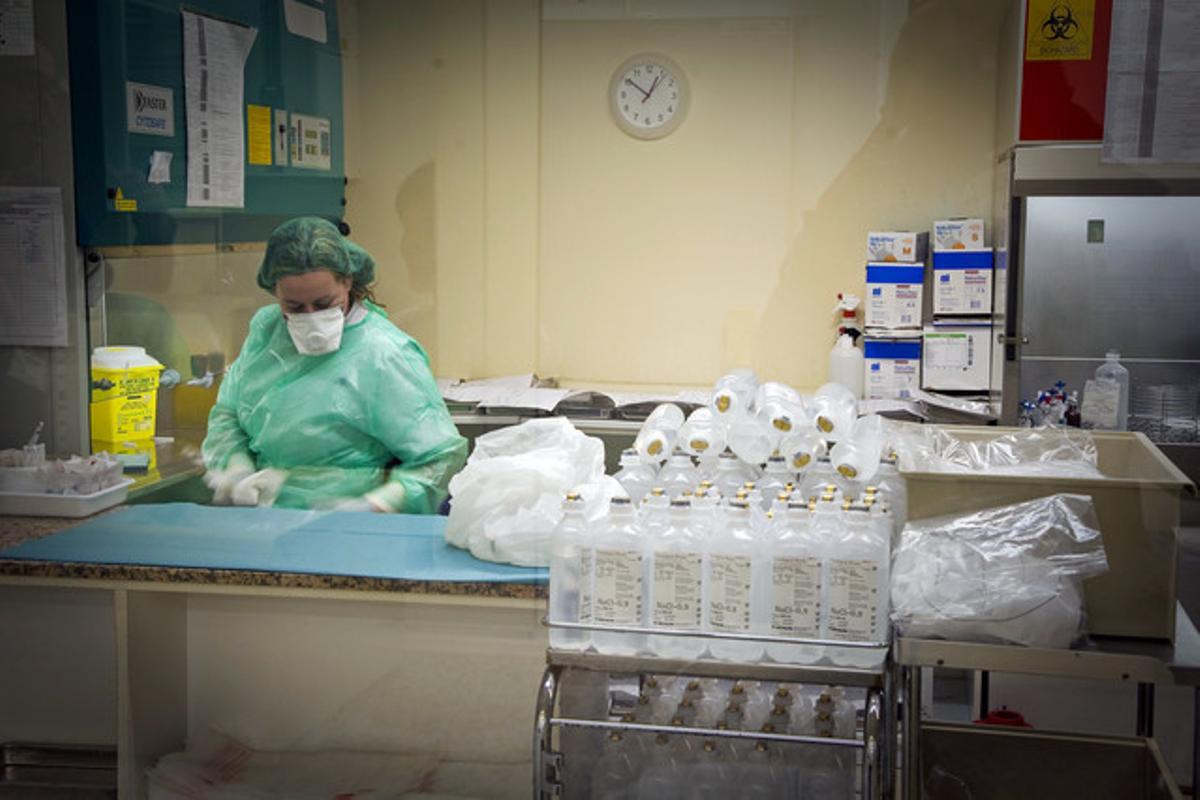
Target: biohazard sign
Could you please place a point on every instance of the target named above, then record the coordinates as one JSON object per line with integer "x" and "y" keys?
{"x": 1060, "y": 30}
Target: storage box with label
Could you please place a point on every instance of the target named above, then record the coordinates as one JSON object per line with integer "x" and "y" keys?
{"x": 903, "y": 246}
{"x": 958, "y": 234}
{"x": 957, "y": 356}
{"x": 962, "y": 281}
{"x": 894, "y": 295}
{"x": 892, "y": 364}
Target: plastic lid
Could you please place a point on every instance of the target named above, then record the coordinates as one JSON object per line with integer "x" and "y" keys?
{"x": 122, "y": 358}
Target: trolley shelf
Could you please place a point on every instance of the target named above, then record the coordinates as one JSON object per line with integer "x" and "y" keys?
{"x": 711, "y": 668}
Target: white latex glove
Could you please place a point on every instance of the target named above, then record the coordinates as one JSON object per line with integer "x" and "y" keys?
{"x": 222, "y": 481}
{"x": 357, "y": 504}
{"x": 259, "y": 488}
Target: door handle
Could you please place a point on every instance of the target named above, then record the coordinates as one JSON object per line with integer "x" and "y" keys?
{"x": 1013, "y": 340}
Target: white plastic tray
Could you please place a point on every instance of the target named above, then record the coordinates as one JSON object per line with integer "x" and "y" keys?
{"x": 31, "y": 504}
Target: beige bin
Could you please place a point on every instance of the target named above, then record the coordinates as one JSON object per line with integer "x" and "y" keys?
{"x": 1137, "y": 502}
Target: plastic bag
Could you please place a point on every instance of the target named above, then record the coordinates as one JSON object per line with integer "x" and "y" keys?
{"x": 1008, "y": 574}
{"x": 507, "y": 501}
{"x": 1059, "y": 452}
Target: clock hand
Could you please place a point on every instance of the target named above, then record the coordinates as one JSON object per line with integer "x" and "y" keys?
{"x": 640, "y": 89}
{"x": 652, "y": 88}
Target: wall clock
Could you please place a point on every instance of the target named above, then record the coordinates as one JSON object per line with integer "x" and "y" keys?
{"x": 648, "y": 96}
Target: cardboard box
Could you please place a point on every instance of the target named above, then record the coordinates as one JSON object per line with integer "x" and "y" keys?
{"x": 892, "y": 364}
{"x": 958, "y": 234}
{"x": 894, "y": 295}
{"x": 891, "y": 246}
{"x": 962, "y": 282}
{"x": 957, "y": 356}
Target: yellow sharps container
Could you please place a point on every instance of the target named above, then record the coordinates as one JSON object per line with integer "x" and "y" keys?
{"x": 124, "y": 393}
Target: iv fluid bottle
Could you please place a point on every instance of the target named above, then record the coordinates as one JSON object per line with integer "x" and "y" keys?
{"x": 729, "y": 475}
{"x": 571, "y": 576}
{"x": 752, "y": 438}
{"x": 701, "y": 436}
{"x": 678, "y": 475}
{"x": 857, "y": 583}
{"x": 731, "y": 556}
{"x": 834, "y": 410}
{"x": 674, "y": 596}
{"x": 618, "y": 568}
{"x": 635, "y": 477}
{"x": 732, "y": 395}
{"x": 656, "y": 438}
{"x": 1112, "y": 371}
{"x": 775, "y": 477}
{"x": 796, "y": 572}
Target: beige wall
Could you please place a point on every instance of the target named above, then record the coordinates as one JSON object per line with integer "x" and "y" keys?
{"x": 517, "y": 228}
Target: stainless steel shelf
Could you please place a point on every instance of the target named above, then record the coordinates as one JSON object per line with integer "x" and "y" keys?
{"x": 1129, "y": 660}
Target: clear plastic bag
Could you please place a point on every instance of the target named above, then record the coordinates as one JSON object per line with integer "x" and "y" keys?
{"x": 1060, "y": 452}
{"x": 507, "y": 501}
{"x": 1007, "y": 574}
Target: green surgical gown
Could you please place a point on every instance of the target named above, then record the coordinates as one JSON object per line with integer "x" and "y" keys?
{"x": 364, "y": 420}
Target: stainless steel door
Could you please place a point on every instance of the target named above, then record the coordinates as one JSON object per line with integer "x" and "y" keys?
{"x": 1101, "y": 273}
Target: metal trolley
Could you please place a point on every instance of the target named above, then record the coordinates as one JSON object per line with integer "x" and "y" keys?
{"x": 616, "y": 675}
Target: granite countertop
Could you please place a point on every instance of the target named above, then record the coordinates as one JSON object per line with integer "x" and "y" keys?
{"x": 17, "y": 530}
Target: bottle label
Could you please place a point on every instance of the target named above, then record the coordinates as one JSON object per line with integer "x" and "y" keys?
{"x": 676, "y": 591}
{"x": 796, "y": 597}
{"x": 853, "y": 600}
{"x": 729, "y": 593}
{"x": 617, "y": 596}
{"x": 586, "y": 560}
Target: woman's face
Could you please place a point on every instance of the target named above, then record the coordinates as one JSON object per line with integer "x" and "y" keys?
{"x": 313, "y": 291}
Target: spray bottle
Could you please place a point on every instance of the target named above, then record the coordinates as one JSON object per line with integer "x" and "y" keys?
{"x": 846, "y": 361}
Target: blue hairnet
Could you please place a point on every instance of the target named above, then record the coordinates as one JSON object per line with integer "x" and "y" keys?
{"x": 306, "y": 244}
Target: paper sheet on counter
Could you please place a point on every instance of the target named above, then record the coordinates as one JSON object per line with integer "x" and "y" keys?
{"x": 214, "y": 59}
{"x": 33, "y": 269}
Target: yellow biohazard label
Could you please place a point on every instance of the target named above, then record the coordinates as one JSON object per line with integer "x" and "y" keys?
{"x": 782, "y": 424}
{"x": 847, "y": 470}
{"x": 824, "y": 424}
{"x": 1060, "y": 30}
{"x": 654, "y": 448}
{"x": 258, "y": 134}
{"x": 723, "y": 403}
{"x": 801, "y": 461}
{"x": 122, "y": 203}
{"x": 699, "y": 445}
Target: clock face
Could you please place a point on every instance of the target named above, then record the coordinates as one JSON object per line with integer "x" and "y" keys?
{"x": 648, "y": 96}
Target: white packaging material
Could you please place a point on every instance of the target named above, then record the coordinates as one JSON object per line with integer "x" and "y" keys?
{"x": 507, "y": 501}
{"x": 1008, "y": 574}
{"x": 959, "y": 233}
{"x": 894, "y": 246}
{"x": 962, "y": 281}
{"x": 957, "y": 356}
{"x": 894, "y": 295}
{"x": 892, "y": 365}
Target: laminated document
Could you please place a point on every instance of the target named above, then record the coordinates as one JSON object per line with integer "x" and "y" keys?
{"x": 33, "y": 267}
{"x": 214, "y": 60}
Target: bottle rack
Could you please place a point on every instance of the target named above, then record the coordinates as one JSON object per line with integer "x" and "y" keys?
{"x": 878, "y": 712}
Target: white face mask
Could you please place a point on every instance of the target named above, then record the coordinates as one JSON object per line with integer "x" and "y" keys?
{"x": 317, "y": 333}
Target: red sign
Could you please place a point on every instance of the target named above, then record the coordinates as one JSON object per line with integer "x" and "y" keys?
{"x": 1065, "y": 70}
